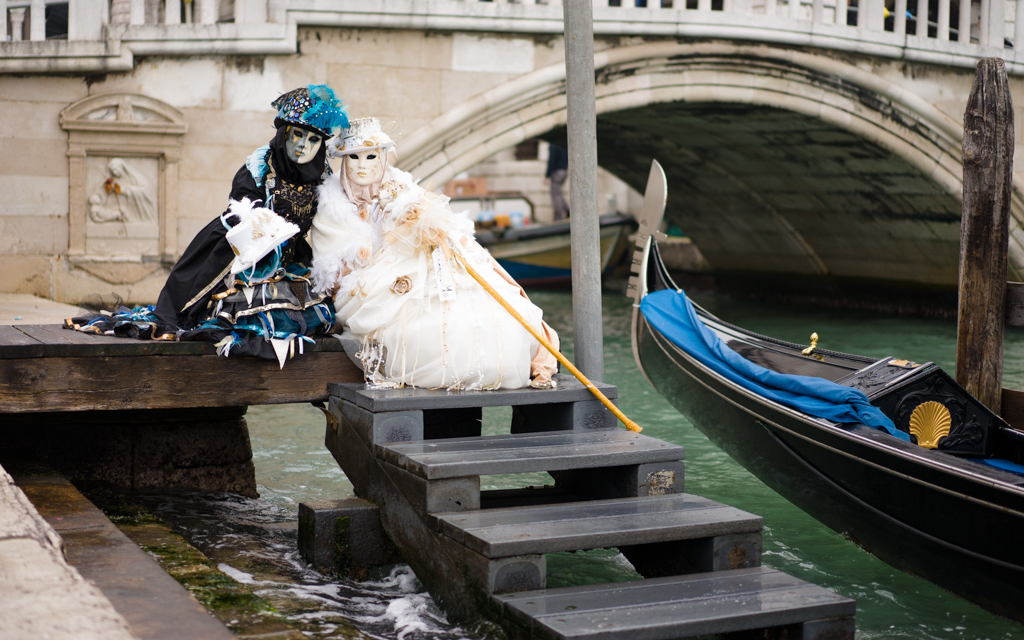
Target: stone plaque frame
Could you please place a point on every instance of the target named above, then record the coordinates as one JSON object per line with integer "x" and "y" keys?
{"x": 123, "y": 125}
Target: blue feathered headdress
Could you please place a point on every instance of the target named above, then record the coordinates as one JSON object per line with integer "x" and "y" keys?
{"x": 314, "y": 106}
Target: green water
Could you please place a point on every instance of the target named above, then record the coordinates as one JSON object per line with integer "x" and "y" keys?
{"x": 292, "y": 465}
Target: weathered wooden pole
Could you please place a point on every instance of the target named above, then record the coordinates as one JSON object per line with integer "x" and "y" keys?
{"x": 984, "y": 233}
{"x": 581, "y": 110}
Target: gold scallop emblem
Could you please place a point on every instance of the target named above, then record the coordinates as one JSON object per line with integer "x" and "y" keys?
{"x": 930, "y": 423}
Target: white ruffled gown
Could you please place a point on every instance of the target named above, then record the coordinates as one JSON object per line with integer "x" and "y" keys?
{"x": 420, "y": 318}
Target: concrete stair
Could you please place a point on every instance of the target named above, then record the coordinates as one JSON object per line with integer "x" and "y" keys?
{"x": 501, "y": 533}
{"x": 684, "y": 606}
{"x": 529, "y": 452}
{"x": 419, "y": 456}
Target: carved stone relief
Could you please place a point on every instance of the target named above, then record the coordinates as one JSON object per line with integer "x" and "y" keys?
{"x": 123, "y": 152}
{"x": 122, "y": 217}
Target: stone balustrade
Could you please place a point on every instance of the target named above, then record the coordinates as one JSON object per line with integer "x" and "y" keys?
{"x": 103, "y": 35}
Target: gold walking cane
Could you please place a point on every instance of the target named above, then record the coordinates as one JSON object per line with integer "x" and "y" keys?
{"x": 632, "y": 426}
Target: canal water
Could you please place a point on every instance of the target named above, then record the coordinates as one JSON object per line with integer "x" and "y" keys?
{"x": 254, "y": 541}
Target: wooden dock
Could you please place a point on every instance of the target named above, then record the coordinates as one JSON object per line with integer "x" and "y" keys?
{"x": 167, "y": 412}
{"x": 146, "y": 415}
{"x": 45, "y": 368}
{"x": 419, "y": 456}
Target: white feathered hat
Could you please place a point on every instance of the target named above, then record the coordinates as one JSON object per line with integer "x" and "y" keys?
{"x": 258, "y": 232}
{"x": 361, "y": 135}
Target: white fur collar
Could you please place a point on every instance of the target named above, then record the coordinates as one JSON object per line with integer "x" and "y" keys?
{"x": 334, "y": 202}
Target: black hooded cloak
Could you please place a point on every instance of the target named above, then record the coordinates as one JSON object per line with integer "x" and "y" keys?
{"x": 199, "y": 273}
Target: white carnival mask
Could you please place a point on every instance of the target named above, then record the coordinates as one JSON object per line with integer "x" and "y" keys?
{"x": 301, "y": 144}
{"x": 364, "y": 167}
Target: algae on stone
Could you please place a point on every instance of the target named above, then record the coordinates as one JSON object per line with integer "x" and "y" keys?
{"x": 242, "y": 611}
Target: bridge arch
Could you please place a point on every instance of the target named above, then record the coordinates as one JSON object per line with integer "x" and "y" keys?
{"x": 779, "y": 161}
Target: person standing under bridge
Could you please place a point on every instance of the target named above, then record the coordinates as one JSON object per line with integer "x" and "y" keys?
{"x": 558, "y": 170}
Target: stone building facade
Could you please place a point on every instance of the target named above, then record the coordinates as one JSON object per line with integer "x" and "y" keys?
{"x": 795, "y": 143}
{"x": 170, "y": 133}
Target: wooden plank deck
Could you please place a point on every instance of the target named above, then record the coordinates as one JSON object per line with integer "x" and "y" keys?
{"x": 45, "y": 368}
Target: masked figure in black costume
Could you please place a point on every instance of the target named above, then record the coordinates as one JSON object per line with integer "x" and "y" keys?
{"x": 269, "y": 308}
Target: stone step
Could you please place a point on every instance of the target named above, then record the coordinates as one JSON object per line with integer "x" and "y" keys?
{"x": 683, "y": 606}
{"x": 567, "y": 390}
{"x": 153, "y": 603}
{"x": 524, "y": 453}
{"x": 519, "y": 531}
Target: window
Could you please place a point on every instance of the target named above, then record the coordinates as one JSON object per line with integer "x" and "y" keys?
{"x": 527, "y": 150}
{"x": 57, "y": 21}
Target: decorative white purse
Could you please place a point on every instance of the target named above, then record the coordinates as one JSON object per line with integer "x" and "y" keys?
{"x": 256, "y": 234}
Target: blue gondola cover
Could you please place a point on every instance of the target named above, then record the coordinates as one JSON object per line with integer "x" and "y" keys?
{"x": 1005, "y": 465}
{"x": 672, "y": 314}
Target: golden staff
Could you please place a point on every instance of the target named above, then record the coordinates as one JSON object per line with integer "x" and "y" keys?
{"x": 632, "y": 426}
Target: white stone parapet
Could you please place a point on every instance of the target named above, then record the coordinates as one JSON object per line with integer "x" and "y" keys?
{"x": 213, "y": 38}
{"x": 42, "y": 595}
{"x": 268, "y": 27}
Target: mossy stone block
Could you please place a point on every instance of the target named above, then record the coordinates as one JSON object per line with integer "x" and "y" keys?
{"x": 341, "y": 535}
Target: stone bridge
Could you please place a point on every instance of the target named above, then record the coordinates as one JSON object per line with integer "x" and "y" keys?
{"x": 803, "y": 151}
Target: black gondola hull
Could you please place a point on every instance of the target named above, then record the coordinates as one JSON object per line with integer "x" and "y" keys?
{"x": 911, "y": 507}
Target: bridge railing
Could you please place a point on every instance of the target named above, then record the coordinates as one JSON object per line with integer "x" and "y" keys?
{"x": 952, "y": 32}
{"x": 986, "y": 22}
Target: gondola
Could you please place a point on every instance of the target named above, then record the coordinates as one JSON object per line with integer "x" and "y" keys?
{"x": 947, "y": 506}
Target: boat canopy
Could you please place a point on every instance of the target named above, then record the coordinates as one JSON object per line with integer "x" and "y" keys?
{"x": 671, "y": 313}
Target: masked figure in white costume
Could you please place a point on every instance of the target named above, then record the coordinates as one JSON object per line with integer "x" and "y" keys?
{"x": 389, "y": 252}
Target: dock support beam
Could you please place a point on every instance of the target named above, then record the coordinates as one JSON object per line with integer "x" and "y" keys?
{"x": 581, "y": 114}
{"x": 202, "y": 450}
{"x": 984, "y": 233}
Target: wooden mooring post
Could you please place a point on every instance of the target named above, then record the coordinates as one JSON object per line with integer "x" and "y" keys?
{"x": 984, "y": 234}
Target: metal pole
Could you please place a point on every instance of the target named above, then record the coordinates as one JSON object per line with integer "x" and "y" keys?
{"x": 581, "y": 114}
